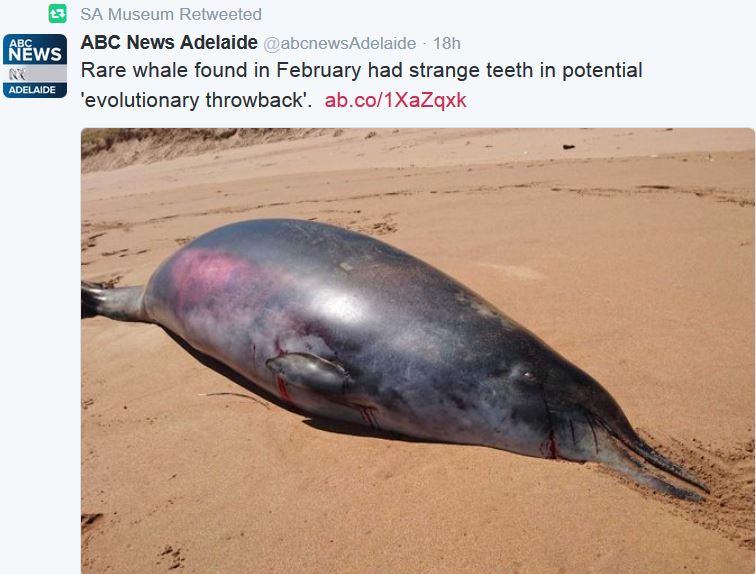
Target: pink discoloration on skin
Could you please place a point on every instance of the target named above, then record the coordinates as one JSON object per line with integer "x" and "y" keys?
{"x": 206, "y": 288}
{"x": 198, "y": 274}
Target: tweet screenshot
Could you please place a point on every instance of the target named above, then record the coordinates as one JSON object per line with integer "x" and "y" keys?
{"x": 407, "y": 287}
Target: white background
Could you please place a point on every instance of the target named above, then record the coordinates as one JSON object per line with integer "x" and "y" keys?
{"x": 699, "y": 72}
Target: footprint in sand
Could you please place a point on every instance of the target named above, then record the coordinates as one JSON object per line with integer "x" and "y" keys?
{"x": 171, "y": 557}
{"x": 88, "y": 521}
{"x": 119, "y": 252}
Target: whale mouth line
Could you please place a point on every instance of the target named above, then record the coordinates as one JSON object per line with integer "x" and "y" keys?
{"x": 620, "y": 449}
{"x": 632, "y": 456}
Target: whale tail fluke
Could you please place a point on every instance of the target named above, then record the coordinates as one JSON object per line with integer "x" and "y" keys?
{"x": 119, "y": 303}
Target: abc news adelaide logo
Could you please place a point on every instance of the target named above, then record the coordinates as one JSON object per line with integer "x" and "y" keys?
{"x": 35, "y": 65}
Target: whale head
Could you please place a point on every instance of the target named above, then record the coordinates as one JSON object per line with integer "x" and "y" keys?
{"x": 588, "y": 425}
{"x": 552, "y": 409}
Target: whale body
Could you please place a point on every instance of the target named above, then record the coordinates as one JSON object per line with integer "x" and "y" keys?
{"x": 346, "y": 327}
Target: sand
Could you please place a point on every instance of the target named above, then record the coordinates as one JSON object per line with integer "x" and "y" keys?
{"x": 632, "y": 254}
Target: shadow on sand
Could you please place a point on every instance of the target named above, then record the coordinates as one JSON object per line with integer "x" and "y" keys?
{"x": 327, "y": 425}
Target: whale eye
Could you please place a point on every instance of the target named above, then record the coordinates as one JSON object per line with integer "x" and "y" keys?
{"x": 519, "y": 372}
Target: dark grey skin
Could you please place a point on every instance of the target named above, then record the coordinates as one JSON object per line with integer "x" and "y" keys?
{"x": 346, "y": 327}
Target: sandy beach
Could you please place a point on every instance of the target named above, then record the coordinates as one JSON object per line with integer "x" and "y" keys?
{"x": 629, "y": 251}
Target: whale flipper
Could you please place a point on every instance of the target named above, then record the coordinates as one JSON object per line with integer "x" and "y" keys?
{"x": 311, "y": 373}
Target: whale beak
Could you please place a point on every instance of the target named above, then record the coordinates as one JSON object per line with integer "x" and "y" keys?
{"x": 588, "y": 425}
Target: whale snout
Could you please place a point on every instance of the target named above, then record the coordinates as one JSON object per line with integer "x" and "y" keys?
{"x": 588, "y": 425}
